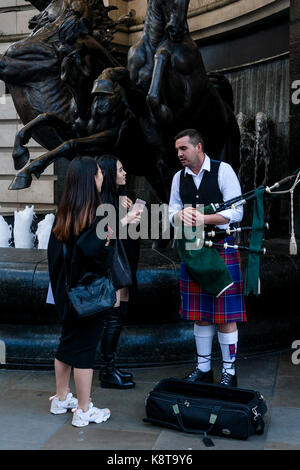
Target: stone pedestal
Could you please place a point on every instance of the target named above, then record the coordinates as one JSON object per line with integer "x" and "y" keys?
{"x": 154, "y": 333}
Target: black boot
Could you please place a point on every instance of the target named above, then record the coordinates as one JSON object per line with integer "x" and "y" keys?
{"x": 110, "y": 376}
{"x": 123, "y": 314}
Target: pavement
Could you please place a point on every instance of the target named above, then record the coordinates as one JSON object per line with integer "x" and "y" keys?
{"x": 27, "y": 424}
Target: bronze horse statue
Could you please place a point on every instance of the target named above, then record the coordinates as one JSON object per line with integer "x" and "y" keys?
{"x": 166, "y": 65}
{"x": 31, "y": 68}
{"x": 112, "y": 128}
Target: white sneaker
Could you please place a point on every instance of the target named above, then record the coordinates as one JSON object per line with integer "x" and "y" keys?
{"x": 59, "y": 407}
{"x": 92, "y": 415}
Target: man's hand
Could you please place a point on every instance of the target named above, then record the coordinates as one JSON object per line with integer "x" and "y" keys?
{"x": 191, "y": 217}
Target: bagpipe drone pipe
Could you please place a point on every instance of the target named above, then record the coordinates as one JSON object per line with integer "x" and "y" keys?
{"x": 200, "y": 250}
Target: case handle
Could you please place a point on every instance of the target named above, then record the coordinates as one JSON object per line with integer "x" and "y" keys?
{"x": 212, "y": 419}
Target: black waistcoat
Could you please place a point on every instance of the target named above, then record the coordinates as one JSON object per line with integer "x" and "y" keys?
{"x": 208, "y": 191}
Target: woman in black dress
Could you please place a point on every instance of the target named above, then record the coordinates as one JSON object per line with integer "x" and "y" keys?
{"x": 75, "y": 226}
{"x": 113, "y": 192}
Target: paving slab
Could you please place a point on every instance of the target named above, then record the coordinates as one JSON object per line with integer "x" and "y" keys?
{"x": 127, "y": 407}
{"x": 25, "y": 417}
{"x": 280, "y": 446}
{"x": 14, "y": 444}
{"x": 155, "y": 374}
{"x": 287, "y": 367}
{"x": 287, "y": 392}
{"x": 43, "y": 381}
{"x": 11, "y": 378}
{"x": 284, "y": 426}
{"x": 175, "y": 440}
{"x": 99, "y": 437}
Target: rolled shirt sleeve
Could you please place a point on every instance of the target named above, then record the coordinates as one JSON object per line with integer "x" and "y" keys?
{"x": 175, "y": 203}
{"x": 230, "y": 187}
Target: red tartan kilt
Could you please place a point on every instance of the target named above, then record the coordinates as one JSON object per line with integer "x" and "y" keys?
{"x": 198, "y": 305}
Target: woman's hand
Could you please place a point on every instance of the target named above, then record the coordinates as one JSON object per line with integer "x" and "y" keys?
{"x": 131, "y": 218}
{"x": 126, "y": 202}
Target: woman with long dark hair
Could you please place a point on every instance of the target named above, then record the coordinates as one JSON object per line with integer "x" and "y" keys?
{"x": 114, "y": 180}
{"x": 75, "y": 226}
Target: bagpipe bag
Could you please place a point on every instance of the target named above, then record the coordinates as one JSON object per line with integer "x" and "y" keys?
{"x": 205, "y": 265}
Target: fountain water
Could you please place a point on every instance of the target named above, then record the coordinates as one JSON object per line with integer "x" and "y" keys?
{"x": 23, "y": 236}
{"x": 5, "y": 233}
{"x": 44, "y": 230}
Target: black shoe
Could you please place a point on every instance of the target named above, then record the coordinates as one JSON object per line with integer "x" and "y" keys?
{"x": 122, "y": 374}
{"x": 198, "y": 376}
{"x": 111, "y": 365}
{"x": 110, "y": 379}
{"x": 228, "y": 380}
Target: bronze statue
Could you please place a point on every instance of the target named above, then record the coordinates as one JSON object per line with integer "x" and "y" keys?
{"x": 112, "y": 127}
{"x": 164, "y": 89}
{"x": 31, "y": 68}
{"x": 166, "y": 64}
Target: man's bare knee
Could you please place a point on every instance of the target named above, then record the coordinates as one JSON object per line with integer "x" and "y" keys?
{"x": 202, "y": 323}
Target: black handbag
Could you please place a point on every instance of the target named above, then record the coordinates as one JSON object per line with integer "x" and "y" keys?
{"x": 93, "y": 295}
{"x": 201, "y": 408}
{"x": 120, "y": 269}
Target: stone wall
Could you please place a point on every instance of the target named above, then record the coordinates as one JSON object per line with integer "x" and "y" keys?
{"x": 264, "y": 87}
{"x": 206, "y": 18}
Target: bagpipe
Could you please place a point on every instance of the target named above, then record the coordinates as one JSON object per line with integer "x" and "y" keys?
{"x": 204, "y": 262}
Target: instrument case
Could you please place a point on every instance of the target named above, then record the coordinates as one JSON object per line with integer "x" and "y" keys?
{"x": 201, "y": 408}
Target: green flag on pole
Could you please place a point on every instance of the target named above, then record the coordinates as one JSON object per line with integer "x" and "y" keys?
{"x": 251, "y": 284}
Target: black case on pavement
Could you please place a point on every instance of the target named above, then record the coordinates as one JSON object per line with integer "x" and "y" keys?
{"x": 202, "y": 408}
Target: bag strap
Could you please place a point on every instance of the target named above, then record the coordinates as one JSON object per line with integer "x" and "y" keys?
{"x": 212, "y": 420}
{"x": 259, "y": 426}
{"x": 258, "y": 422}
{"x": 67, "y": 282}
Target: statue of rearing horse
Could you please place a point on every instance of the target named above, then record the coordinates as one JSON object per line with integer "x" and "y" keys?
{"x": 31, "y": 67}
{"x": 167, "y": 67}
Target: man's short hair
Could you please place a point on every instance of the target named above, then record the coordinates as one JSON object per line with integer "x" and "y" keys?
{"x": 194, "y": 136}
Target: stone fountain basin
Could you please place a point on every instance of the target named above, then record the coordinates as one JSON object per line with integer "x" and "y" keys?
{"x": 154, "y": 333}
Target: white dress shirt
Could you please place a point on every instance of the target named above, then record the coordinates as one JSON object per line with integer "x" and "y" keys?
{"x": 229, "y": 186}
